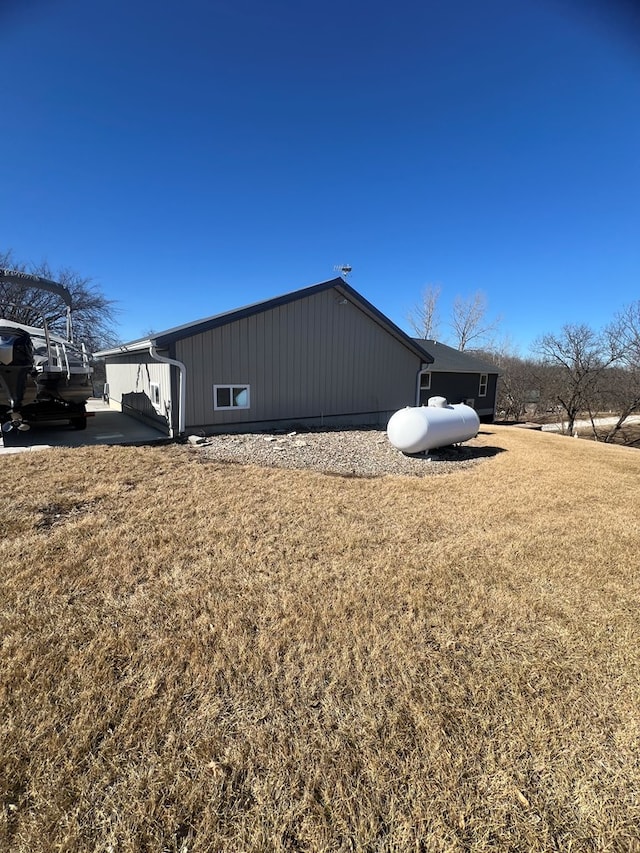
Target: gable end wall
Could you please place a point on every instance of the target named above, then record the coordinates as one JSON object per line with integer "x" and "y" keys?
{"x": 316, "y": 357}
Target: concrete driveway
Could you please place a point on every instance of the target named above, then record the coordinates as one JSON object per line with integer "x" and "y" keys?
{"x": 106, "y": 426}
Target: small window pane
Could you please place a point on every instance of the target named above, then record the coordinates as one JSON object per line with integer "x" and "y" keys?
{"x": 223, "y": 398}
{"x": 241, "y": 397}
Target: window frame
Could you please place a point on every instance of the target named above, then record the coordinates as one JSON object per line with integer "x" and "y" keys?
{"x": 155, "y": 396}
{"x": 424, "y": 387}
{"x": 483, "y": 385}
{"x": 239, "y": 386}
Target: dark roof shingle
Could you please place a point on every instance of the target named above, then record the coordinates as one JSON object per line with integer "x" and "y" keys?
{"x": 450, "y": 360}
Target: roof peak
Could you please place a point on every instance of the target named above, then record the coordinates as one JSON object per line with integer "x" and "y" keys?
{"x": 169, "y": 336}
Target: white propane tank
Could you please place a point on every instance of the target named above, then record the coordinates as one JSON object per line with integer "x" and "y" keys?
{"x": 423, "y": 428}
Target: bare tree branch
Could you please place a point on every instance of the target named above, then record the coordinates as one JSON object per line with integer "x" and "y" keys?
{"x": 469, "y": 320}
{"x": 624, "y": 334}
{"x": 423, "y": 317}
{"x": 93, "y": 314}
{"x": 576, "y": 359}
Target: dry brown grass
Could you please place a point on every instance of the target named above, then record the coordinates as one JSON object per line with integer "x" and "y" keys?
{"x": 222, "y": 658}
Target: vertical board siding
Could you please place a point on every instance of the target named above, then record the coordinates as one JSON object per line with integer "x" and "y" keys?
{"x": 309, "y": 358}
{"x": 129, "y": 378}
{"x": 458, "y": 387}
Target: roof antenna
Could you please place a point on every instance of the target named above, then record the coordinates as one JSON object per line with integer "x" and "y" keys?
{"x": 343, "y": 269}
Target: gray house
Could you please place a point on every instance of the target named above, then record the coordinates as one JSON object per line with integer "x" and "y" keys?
{"x": 320, "y": 356}
{"x": 461, "y": 377}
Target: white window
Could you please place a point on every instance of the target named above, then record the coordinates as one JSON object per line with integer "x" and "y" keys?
{"x": 482, "y": 389}
{"x": 425, "y": 387}
{"x": 230, "y": 396}
{"x": 155, "y": 395}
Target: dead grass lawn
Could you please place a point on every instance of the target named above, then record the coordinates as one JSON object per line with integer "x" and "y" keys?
{"x": 209, "y": 657}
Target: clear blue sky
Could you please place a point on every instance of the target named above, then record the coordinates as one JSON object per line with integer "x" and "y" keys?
{"x": 193, "y": 156}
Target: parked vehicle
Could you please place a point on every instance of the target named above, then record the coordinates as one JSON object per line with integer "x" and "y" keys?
{"x": 43, "y": 376}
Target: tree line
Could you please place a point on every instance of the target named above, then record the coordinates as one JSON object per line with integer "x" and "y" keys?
{"x": 578, "y": 371}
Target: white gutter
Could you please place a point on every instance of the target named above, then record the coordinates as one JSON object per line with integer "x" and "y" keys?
{"x": 424, "y": 368}
{"x": 136, "y": 346}
{"x": 182, "y": 387}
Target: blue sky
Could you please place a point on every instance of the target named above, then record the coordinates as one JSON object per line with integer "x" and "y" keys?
{"x": 195, "y": 156}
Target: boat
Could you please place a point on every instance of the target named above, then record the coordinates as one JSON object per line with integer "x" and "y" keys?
{"x": 43, "y": 376}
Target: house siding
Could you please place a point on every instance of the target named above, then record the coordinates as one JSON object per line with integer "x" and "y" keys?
{"x": 130, "y": 377}
{"x": 316, "y": 358}
{"x": 459, "y": 387}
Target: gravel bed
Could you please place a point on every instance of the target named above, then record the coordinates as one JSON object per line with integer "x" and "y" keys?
{"x": 356, "y": 453}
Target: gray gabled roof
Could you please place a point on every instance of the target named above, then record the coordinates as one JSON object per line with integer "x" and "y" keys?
{"x": 170, "y": 336}
{"x": 449, "y": 360}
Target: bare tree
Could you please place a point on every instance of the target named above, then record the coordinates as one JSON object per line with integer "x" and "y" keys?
{"x": 517, "y": 391}
{"x": 93, "y": 313}
{"x": 469, "y": 321}
{"x": 516, "y": 387}
{"x": 573, "y": 363}
{"x": 423, "y": 317}
{"x": 624, "y": 384}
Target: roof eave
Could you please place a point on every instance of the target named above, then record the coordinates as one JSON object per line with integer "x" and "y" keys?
{"x": 123, "y": 349}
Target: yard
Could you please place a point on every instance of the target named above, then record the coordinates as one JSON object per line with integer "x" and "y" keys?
{"x": 207, "y": 656}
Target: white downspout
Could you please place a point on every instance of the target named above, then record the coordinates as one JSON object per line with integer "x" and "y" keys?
{"x": 424, "y": 368}
{"x": 182, "y": 387}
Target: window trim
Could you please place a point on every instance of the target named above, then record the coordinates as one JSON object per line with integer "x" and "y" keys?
{"x": 240, "y": 386}
{"x": 483, "y": 385}
{"x": 426, "y": 373}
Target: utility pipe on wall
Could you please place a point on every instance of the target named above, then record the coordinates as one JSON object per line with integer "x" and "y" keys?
{"x": 182, "y": 387}
{"x": 424, "y": 368}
